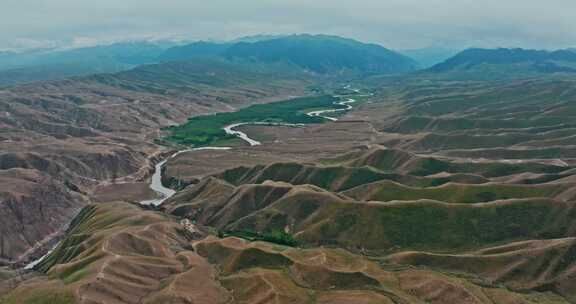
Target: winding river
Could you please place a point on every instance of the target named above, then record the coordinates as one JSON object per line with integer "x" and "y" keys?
{"x": 165, "y": 193}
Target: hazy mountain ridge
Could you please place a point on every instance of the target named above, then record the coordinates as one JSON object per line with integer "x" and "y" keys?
{"x": 324, "y": 54}
{"x": 507, "y": 63}
{"x": 137, "y": 52}
{"x": 36, "y": 65}
{"x": 195, "y": 49}
{"x": 318, "y": 53}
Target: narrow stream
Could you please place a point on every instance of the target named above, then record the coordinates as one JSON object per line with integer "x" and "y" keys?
{"x": 230, "y": 130}
{"x": 33, "y": 264}
{"x": 321, "y": 113}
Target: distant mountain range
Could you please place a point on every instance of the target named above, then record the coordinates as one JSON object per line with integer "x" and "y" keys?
{"x": 256, "y": 38}
{"x": 46, "y": 64}
{"x": 194, "y": 50}
{"x": 128, "y": 53}
{"x": 317, "y": 53}
{"x": 507, "y": 63}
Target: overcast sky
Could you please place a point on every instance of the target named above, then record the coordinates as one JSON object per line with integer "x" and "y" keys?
{"x": 397, "y": 24}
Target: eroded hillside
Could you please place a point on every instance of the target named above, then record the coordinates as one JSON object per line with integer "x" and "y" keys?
{"x": 83, "y": 133}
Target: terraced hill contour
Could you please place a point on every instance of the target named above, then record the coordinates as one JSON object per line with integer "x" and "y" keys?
{"x": 98, "y": 263}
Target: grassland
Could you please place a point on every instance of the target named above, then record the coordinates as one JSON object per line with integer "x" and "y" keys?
{"x": 207, "y": 130}
{"x": 454, "y": 193}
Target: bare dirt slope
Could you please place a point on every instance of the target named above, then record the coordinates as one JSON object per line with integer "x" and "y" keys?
{"x": 86, "y": 132}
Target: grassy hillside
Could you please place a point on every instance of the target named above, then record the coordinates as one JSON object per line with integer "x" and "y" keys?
{"x": 146, "y": 258}
{"x": 454, "y": 193}
{"x": 334, "y": 178}
{"x": 315, "y": 216}
{"x": 422, "y": 165}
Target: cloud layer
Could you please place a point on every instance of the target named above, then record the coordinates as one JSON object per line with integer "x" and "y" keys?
{"x": 393, "y": 23}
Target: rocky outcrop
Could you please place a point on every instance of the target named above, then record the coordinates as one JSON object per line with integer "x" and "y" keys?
{"x": 34, "y": 208}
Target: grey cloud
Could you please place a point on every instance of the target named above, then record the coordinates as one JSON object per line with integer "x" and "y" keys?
{"x": 393, "y": 23}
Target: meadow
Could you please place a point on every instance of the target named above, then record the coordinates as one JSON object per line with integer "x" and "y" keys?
{"x": 208, "y": 129}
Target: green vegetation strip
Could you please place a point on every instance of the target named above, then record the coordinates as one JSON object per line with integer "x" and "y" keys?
{"x": 208, "y": 129}
{"x": 277, "y": 237}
